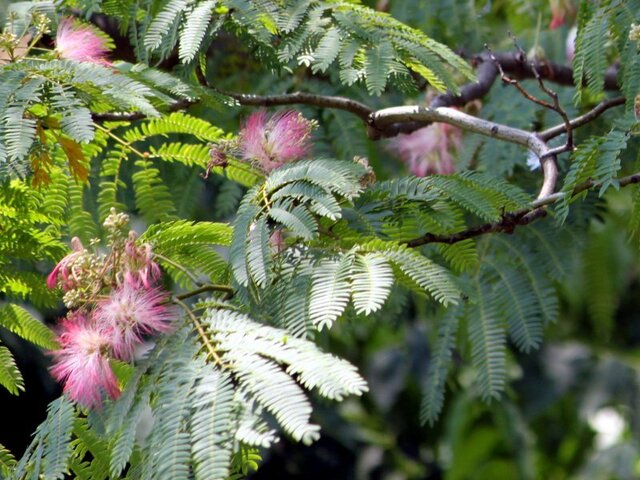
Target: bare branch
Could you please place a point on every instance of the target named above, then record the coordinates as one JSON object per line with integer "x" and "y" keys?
{"x": 382, "y": 119}
{"x": 324, "y": 101}
{"x": 583, "y": 119}
{"x": 554, "y": 98}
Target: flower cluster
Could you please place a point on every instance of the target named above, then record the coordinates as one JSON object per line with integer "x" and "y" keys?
{"x": 114, "y": 304}
{"x": 81, "y": 43}
{"x": 428, "y": 150}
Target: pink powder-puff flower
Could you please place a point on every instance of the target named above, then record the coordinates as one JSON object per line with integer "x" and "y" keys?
{"x": 140, "y": 269}
{"x": 81, "y": 43}
{"x": 276, "y": 241}
{"x": 428, "y": 150}
{"x": 82, "y": 362}
{"x": 66, "y": 270}
{"x": 273, "y": 141}
{"x": 130, "y": 313}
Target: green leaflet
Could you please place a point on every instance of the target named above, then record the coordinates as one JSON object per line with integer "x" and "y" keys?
{"x": 10, "y": 376}
{"x": 439, "y": 364}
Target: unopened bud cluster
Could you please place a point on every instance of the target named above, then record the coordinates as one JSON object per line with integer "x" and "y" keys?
{"x": 114, "y": 304}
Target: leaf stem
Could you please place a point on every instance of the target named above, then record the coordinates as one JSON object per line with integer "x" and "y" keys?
{"x": 201, "y": 332}
{"x": 228, "y": 289}
{"x": 120, "y": 140}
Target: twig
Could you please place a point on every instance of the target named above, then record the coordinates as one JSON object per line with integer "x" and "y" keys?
{"x": 510, "y": 221}
{"x": 512, "y": 81}
{"x": 582, "y": 119}
{"x": 554, "y": 98}
{"x": 326, "y": 101}
{"x": 554, "y": 106}
{"x": 120, "y": 141}
{"x": 177, "y": 266}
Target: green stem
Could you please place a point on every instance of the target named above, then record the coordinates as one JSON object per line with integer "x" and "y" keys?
{"x": 177, "y": 266}
{"x": 228, "y": 289}
{"x": 121, "y": 141}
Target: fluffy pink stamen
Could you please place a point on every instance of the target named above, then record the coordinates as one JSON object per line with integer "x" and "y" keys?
{"x": 78, "y": 42}
{"x": 273, "y": 141}
{"x": 82, "y": 363}
{"x": 129, "y": 314}
{"x": 428, "y": 150}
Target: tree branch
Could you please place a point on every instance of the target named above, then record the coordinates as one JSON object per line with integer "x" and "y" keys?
{"x": 182, "y": 104}
{"x": 487, "y": 65}
{"x": 512, "y": 63}
{"x": 517, "y": 66}
{"x": 510, "y": 221}
{"x": 325, "y": 101}
{"x": 383, "y": 119}
{"x": 583, "y": 119}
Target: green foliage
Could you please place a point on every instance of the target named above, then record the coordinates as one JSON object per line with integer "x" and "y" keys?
{"x": 10, "y": 376}
{"x": 50, "y": 449}
{"x": 19, "y": 321}
{"x": 363, "y": 44}
{"x": 597, "y": 21}
{"x": 30, "y": 234}
{"x": 7, "y": 461}
{"x": 208, "y": 403}
{"x": 597, "y": 160}
{"x": 486, "y": 333}
{"x": 192, "y": 247}
{"x": 316, "y": 252}
{"x": 439, "y": 365}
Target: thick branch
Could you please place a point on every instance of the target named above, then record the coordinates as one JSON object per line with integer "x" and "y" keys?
{"x": 517, "y": 66}
{"x": 510, "y": 221}
{"x": 382, "y": 119}
{"x": 486, "y": 74}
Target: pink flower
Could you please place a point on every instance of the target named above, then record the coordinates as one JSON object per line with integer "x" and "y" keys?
{"x": 560, "y": 9}
{"x": 276, "y": 241}
{"x": 65, "y": 268}
{"x": 429, "y": 149}
{"x": 140, "y": 269}
{"x": 129, "y": 314}
{"x": 83, "y": 363}
{"x": 571, "y": 43}
{"x": 274, "y": 141}
{"x": 81, "y": 43}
